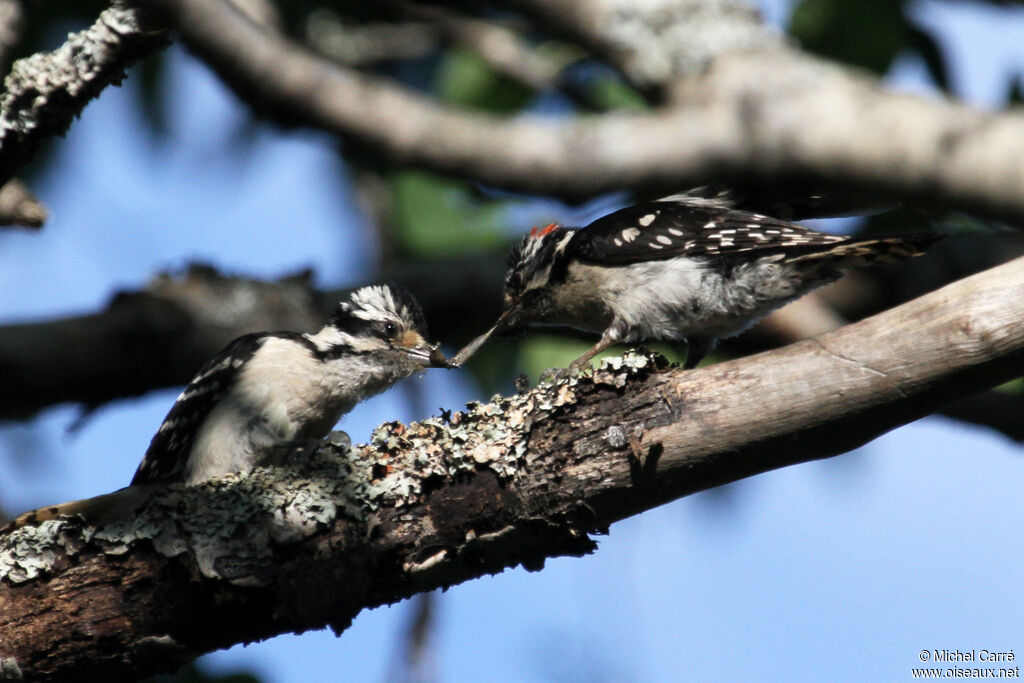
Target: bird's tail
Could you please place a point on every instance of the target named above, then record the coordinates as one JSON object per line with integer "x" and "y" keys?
{"x": 864, "y": 251}
{"x": 122, "y": 503}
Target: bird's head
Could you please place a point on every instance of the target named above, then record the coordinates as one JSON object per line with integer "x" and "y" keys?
{"x": 529, "y": 263}
{"x": 385, "y": 321}
{"x": 528, "y": 273}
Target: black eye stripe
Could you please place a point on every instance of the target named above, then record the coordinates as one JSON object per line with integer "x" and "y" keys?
{"x": 346, "y": 321}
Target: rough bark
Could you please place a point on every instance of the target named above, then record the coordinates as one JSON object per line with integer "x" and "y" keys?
{"x": 510, "y": 482}
{"x": 44, "y": 92}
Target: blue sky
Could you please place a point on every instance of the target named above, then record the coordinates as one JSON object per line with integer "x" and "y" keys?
{"x": 838, "y": 570}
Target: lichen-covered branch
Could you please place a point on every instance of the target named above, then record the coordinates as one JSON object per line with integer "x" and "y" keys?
{"x": 45, "y": 92}
{"x": 658, "y": 42}
{"x": 510, "y": 482}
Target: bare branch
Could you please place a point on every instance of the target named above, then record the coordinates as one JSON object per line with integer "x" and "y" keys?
{"x": 773, "y": 114}
{"x": 160, "y": 336}
{"x": 365, "y": 45}
{"x": 12, "y": 25}
{"x": 143, "y": 340}
{"x": 44, "y": 92}
{"x": 511, "y": 482}
{"x": 18, "y": 206}
{"x": 658, "y": 42}
{"x": 501, "y": 47}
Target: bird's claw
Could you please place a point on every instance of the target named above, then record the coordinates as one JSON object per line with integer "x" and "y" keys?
{"x": 555, "y": 374}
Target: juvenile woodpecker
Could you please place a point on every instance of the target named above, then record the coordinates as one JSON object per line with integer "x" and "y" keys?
{"x": 683, "y": 267}
{"x": 269, "y": 388}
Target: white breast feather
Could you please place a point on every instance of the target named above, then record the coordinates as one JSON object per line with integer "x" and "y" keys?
{"x": 676, "y": 298}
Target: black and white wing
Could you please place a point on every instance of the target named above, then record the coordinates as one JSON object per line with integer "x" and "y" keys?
{"x": 169, "y": 450}
{"x": 669, "y": 228}
{"x": 793, "y": 201}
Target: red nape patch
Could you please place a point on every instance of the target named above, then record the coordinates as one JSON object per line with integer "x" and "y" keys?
{"x": 536, "y": 232}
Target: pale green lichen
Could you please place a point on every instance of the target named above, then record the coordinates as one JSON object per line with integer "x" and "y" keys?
{"x": 232, "y": 525}
{"x": 27, "y": 556}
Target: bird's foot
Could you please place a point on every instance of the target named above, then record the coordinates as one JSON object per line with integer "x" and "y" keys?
{"x": 301, "y": 451}
{"x": 339, "y": 440}
{"x": 556, "y": 374}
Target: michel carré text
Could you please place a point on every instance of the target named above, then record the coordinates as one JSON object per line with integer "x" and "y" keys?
{"x": 971, "y": 656}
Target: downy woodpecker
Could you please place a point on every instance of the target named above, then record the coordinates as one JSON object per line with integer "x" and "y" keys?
{"x": 269, "y": 388}
{"x": 683, "y": 267}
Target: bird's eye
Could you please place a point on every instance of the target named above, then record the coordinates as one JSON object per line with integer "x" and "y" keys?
{"x": 390, "y": 330}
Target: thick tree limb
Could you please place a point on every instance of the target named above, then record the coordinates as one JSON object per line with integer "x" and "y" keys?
{"x": 12, "y": 26}
{"x": 658, "y": 42}
{"x": 365, "y": 45}
{"x": 772, "y": 113}
{"x": 501, "y": 47}
{"x": 44, "y": 92}
{"x": 143, "y": 340}
{"x": 506, "y": 483}
{"x": 160, "y": 336}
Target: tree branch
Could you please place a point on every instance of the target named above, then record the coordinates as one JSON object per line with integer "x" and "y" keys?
{"x": 159, "y": 336}
{"x": 143, "y": 340}
{"x": 655, "y": 44}
{"x": 772, "y": 114}
{"x": 510, "y": 482}
{"x": 366, "y": 45}
{"x": 18, "y": 206}
{"x": 501, "y": 47}
{"x": 12, "y": 26}
{"x": 44, "y": 92}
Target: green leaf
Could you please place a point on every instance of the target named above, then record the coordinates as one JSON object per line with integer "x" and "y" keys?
{"x": 1014, "y": 386}
{"x": 865, "y": 33}
{"x": 495, "y": 366}
{"x": 439, "y": 216}
{"x": 611, "y": 93}
{"x": 466, "y": 80}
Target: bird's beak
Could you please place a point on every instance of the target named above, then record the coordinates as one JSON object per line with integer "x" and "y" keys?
{"x": 437, "y": 359}
{"x": 469, "y": 349}
{"x": 421, "y": 351}
{"x": 503, "y": 322}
